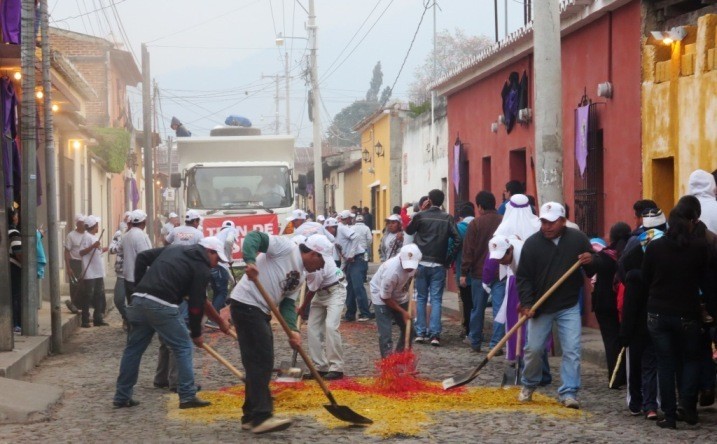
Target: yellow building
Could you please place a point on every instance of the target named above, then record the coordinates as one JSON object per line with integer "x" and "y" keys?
{"x": 679, "y": 105}
{"x": 381, "y": 153}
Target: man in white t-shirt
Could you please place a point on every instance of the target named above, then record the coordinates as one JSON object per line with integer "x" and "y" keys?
{"x": 326, "y": 297}
{"x": 364, "y": 235}
{"x": 188, "y": 234}
{"x": 352, "y": 254}
{"x": 172, "y": 223}
{"x": 279, "y": 264}
{"x": 93, "y": 281}
{"x": 134, "y": 241}
{"x": 73, "y": 263}
{"x": 390, "y": 296}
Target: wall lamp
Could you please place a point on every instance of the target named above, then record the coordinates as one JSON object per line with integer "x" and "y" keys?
{"x": 378, "y": 149}
{"x": 673, "y": 35}
{"x": 366, "y": 155}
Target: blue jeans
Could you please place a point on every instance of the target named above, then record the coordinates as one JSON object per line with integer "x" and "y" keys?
{"x": 480, "y": 300}
{"x": 145, "y": 317}
{"x": 220, "y": 287}
{"x": 539, "y": 327}
{"x": 430, "y": 282}
{"x": 385, "y": 317}
{"x": 356, "y": 292}
{"x": 119, "y": 298}
{"x": 497, "y": 294}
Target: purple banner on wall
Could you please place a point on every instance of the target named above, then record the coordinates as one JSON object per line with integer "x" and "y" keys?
{"x": 456, "y": 166}
{"x": 581, "y": 137}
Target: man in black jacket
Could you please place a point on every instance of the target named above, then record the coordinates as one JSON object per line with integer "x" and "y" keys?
{"x": 546, "y": 256}
{"x": 175, "y": 271}
{"x": 432, "y": 228}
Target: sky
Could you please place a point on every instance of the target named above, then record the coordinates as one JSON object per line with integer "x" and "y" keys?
{"x": 214, "y": 58}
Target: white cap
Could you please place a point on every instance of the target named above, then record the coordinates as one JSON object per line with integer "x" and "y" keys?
{"x": 330, "y": 222}
{"x": 79, "y": 217}
{"x": 127, "y": 215}
{"x": 359, "y": 218}
{"x": 297, "y": 214}
{"x": 552, "y": 211}
{"x": 320, "y": 244}
{"x": 320, "y": 218}
{"x": 191, "y": 215}
{"x": 213, "y": 243}
{"x": 172, "y": 215}
{"x": 228, "y": 224}
{"x": 138, "y": 216}
{"x": 345, "y": 214}
{"x": 393, "y": 218}
{"x": 410, "y": 256}
{"x": 299, "y": 239}
{"x": 91, "y": 221}
{"x": 653, "y": 217}
{"x": 498, "y": 246}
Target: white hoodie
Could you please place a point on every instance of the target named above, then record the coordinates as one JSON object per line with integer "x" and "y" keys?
{"x": 702, "y": 186}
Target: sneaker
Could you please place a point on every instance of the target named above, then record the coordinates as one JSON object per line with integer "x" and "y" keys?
{"x": 707, "y": 397}
{"x": 70, "y": 306}
{"x": 85, "y": 325}
{"x": 526, "y": 394}
{"x": 100, "y": 323}
{"x": 666, "y": 424}
{"x": 157, "y": 385}
{"x": 363, "y": 319}
{"x": 17, "y": 330}
{"x": 420, "y": 340}
{"x": 246, "y": 425}
{"x": 125, "y": 404}
{"x": 332, "y": 376}
{"x": 211, "y": 324}
{"x": 571, "y": 403}
{"x": 272, "y": 424}
{"x": 436, "y": 342}
{"x": 194, "y": 403}
{"x": 651, "y": 415}
{"x": 476, "y": 349}
{"x": 309, "y": 376}
{"x": 196, "y": 387}
{"x": 637, "y": 412}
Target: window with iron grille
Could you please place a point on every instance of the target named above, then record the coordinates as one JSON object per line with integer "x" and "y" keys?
{"x": 589, "y": 188}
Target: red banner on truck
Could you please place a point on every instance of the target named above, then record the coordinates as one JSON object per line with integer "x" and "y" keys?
{"x": 268, "y": 223}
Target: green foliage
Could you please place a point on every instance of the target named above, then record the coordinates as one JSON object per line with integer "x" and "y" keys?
{"x": 113, "y": 147}
{"x": 341, "y": 132}
{"x": 376, "y": 81}
{"x": 416, "y": 109}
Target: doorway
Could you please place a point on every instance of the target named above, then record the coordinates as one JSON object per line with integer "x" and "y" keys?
{"x": 486, "y": 174}
{"x": 663, "y": 182}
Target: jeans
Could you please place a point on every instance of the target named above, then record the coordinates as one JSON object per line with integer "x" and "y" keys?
{"x": 119, "y": 298}
{"x": 145, "y": 317}
{"x": 256, "y": 345}
{"x": 467, "y": 302}
{"x": 497, "y": 293}
{"x": 166, "y": 373}
{"x": 384, "y": 319}
{"x": 677, "y": 343}
{"x": 480, "y": 300}
{"x": 93, "y": 296}
{"x": 429, "y": 283}
{"x": 356, "y": 292}
{"x": 539, "y": 327}
{"x": 220, "y": 287}
{"x": 324, "y": 321}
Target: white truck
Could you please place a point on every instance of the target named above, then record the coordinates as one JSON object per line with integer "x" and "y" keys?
{"x": 237, "y": 174}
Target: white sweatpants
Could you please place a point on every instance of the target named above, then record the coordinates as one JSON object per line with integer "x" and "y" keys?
{"x": 324, "y": 321}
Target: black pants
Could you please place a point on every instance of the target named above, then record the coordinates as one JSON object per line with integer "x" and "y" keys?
{"x": 256, "y": 345}
{"x": 16, "y": 292}
{"x": 467, "y": 301}
{"x": 76, "y": 289}
{"x": 642, "y": 374}
{"x": 93, "y": 295}
{"x": 610, "y": 330}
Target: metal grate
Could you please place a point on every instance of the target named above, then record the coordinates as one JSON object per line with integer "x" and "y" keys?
{"x": 589, "y": 189}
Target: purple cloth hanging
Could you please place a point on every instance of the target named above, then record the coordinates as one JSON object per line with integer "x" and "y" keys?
{"x": 135, "y": 193}
{"x": 581, "y": 137}
{"x": 10, "y": 21}
{"x": 457, "y": 166}
{"x": 10, "y": 151}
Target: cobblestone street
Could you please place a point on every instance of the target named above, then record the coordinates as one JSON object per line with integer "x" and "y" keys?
{"x": 87, "y": 371}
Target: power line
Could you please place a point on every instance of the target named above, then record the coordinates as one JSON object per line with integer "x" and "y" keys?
{"x": 86, "y": 13}
{"x": 123, "y": 33}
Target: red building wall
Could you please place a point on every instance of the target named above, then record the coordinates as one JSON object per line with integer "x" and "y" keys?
{"x": 607, "y": 49}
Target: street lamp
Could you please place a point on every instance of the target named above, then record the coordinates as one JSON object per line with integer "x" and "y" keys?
{"x": 378, "y": 149}
{"x": 366, "y": 155}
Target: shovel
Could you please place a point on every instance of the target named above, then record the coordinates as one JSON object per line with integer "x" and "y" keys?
{"x": 341, "y": 412}
{"x": 224, "y": 362}
{"x": 511, "y": 375}
{"x": 465, "y": 378}
{"x": 617, "y": 368}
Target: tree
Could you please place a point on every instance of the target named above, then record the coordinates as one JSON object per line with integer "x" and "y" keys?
{"x": 375, "y": 86}
{"x": 451, "y": 51}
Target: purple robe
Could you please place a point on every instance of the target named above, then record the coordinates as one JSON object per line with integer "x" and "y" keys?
{"x": 10, "y": 21}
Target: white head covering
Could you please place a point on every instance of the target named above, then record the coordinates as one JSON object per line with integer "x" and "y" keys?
{"x": 519, "y": 220}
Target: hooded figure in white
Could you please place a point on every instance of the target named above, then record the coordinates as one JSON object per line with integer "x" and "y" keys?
{"x": 702, "y": 186}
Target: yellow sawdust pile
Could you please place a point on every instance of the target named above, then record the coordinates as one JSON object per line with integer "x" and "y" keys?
{"x": 392, "y": 416}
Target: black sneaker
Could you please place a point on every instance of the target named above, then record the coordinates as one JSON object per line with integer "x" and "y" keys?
{"x": 174, "y": 389}
{"x": 162, "y": 386}
{"x": 666, "y": 424}
{"x": 100, "y": 323}
{"x": 194, "y": 403}
{"x": 332, "y": 376}
{"x": 308, "y": 376}
{"x": 125, "y": 404}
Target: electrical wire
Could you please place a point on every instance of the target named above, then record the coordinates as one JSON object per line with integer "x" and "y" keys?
{"x": 123, "y": 34}
{"x": 86, "y": 13}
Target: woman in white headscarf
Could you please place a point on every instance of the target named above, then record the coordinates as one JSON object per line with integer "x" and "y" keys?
{"x": 519, "y": 220}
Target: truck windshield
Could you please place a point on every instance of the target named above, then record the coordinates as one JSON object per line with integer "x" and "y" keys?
{"x": 236, "y": 187}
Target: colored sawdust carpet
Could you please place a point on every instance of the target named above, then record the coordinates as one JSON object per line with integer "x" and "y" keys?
{"x": 399, "y": 403}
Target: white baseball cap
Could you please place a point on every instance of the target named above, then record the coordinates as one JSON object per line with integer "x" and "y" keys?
{"x": 138, "y": 216}
{"x": 297, "y": 214}
{"x": 359, "y": 218}
{"x": 345, "y": 214}
{"x": 393, "y": 218}
{"x": 299, "y": 239}
{"x": 552, "y": 211}
{"x": 228, "y": 224}
{"x": 320, "y": 218}
{"x": 320, "y": 244}
{"x": 498, "y": 246}
{"x": 213, "y": 243}
{"x": 79, "y": 217}
{"x": 191, "y": 215}
{"x": 91, "y": 221}
{"x": 331, "y": 222}
{"x": 172, "y": 215}
{"x": 410, "y": 256}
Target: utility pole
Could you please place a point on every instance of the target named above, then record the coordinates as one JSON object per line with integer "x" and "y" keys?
{"x": 28, "y": 205}
{"x": 51, "y": 188}
{"x": 287, "y": 78}
{"x": 548, "y": 102}
{"x": 147, "y": 130}
{"x": 7, "y": 340}
{"x": 505, "y": 19}
{"x": 495, "y": 14}
{"x": 315, "y": 105}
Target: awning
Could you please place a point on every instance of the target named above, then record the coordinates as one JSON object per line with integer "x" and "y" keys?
{"x": 374, "y": 184}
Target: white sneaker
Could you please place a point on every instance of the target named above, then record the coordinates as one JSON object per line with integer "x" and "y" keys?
{"x": 246, "y": 426}
{"x": 272, "y": 424}
{"x": 571, "y": 403}
{"x": 526, "y": 394}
